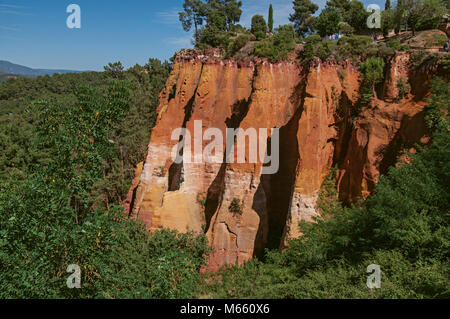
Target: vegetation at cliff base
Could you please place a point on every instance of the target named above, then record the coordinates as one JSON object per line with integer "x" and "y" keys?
{"x": 404, "y": 227}
{"x": 70, "y": 144}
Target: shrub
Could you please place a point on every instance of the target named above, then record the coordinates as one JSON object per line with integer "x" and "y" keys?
{"x": 385, "y": 51}
{"x": 404, "y": 47}
{"x": 211, "y": 36}
{"x": 265, "y": 49}
{"x": 283, "y": 41}
{"x": 372, "y": 70}
{"x": 278, "y": 47}
{"x": 354, "y": 46}
{"x": 237, "y": 28}
{"x": 418, "y": 57}
{"x": 438, "y": 103}
{"x": 394, "y": 44}
{"x": 372, "y": 73}
{"x": 237, "y": 44}
{"x": 345, "y": 28}
{"x": 314, "y": 46}
{"x": 403, "y": 88}
{"x": 235, "y": 206}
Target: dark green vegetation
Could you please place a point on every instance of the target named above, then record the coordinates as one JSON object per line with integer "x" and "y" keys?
{"x": 213, "y": 21}
{"x": 215, "y": 25}
{"x": 302, "y": 17}
{"x": 70, "y": 144}
{"x": 404, "y": 227}
{"x": 69, "y": 147}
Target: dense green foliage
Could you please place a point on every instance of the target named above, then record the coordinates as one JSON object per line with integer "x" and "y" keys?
{"x": 67, "y": 167}
{"x": 278, "y": 46}
{"x": 350, "y": 11}
{"x": 315, "y": 47}
{"x": 438, "y": 106}
{"x": 387, "y": 22}
{"x": 404, "y": 227}
{"x": 70, "y": 144}
{"x": 418, "y": 14}
{"x": 303, "y": 16}
{"x": 216, "y": 26}
{"x": 372, "y": 70}
{"x": 213, "y": 21}
{"x": 259, "y": 27}
{"x": 327, "y": 22}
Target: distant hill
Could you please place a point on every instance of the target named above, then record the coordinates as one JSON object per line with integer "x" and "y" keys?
{"x": 16, "y": 69}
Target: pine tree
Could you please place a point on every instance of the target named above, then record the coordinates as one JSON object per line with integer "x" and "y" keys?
{"x": 303, "y": 16}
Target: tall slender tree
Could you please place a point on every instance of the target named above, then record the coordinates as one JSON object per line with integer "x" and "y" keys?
{"x": 270, "y": 20}
{"x": 194, "y": 14}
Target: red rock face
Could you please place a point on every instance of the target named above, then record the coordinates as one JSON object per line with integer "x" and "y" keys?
{"x": 310, "y": 107}
{"x": 383, "y": 130}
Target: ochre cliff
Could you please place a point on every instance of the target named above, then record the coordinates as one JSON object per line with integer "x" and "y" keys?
{"x": 313, "y": 109}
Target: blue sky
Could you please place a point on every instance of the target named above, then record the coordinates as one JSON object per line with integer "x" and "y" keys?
{"x": 34, "y": 32}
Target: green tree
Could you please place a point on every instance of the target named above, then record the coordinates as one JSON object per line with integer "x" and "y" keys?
{"x": 303, "y": 16}
{"x": 315, "y": 47}
{"x": 413, "y": 12}
{"x": 343, "y": 6}
{"x": 284, "y": 41}
{"x": 345, "y": 28}
{"x": 259, "y": 27}
{"x": 194, "y": 14}
{"x": 53, "y": 219}
{"x": 114, "y": 70}
{"x": 387, "y": 22}
{"x": 228, "y": 12}
{"x": 328, "y": 21}
{"x": 277, "y": 47}
{"x": 387, "y": 5}
{"x": 372, "y": 72}
{"x": 356, "y": 16}
{"x": 221, "y": 17}
{"x": 432, "y": 12}
{"x": 270, "y": 20}
{"x": 398, "y": 18}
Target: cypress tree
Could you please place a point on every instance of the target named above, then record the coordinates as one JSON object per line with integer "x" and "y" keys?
{"x": 387, "y": 6}
{"x": 270, "y": 21}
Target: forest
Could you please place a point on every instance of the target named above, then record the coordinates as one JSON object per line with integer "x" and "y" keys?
{"x": 70, "y": 144}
